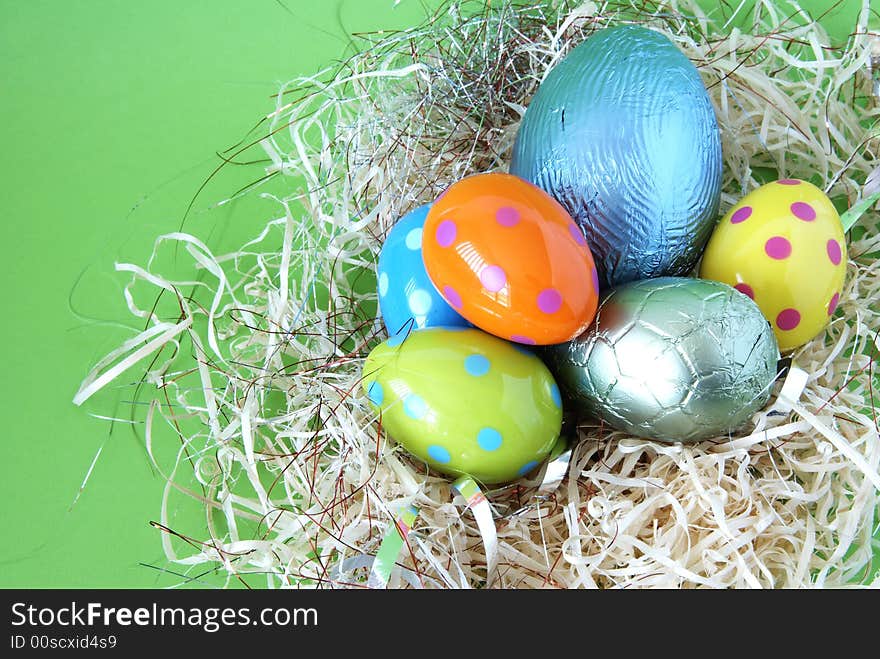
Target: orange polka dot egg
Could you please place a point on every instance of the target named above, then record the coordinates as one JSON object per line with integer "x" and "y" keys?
{"x": 783, "y": 246}
{"x": 510, "y": 259}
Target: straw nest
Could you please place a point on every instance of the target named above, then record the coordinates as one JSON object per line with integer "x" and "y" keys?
{"x": 252, "y": 359}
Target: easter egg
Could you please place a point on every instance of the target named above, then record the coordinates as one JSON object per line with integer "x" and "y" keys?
{"x": 623, "y": 134}
{"x": 783, "y": 246}
{"x": 465, "y": 402}
{"x": 407, "y": 298}
{"x": 510, "y": 259}
{"x": 671, "y": 359}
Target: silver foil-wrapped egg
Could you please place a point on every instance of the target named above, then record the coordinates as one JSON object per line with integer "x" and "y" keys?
{"x": 671, "y": 359}
{"x": 623, "y": 134}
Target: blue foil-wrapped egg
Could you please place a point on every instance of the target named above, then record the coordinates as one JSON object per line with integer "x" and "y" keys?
{"x": 407, "y": 298}
{"x": 623, "y": 134}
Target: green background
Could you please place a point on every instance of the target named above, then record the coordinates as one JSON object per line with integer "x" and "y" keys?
{"x": 110, "y": 116}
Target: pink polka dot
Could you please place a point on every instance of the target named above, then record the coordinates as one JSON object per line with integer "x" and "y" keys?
{"x": 803, "y": 211}
{"x": 595, "y": 279}
{"x": 788, "y": 181}
{"x": 834, "y": 253}
{"x": 577, "y": 234}
{"x": 745, "y": 289}
{"x": 493, "y": 278}
{"x": 507, "y": 216}
{"x": 549, "y": 300}
{"x": 741, "y": 215}
{"x": 832, "y": 306}
{"x": 778, "y": 248}
{"x": 452, "y": 296}
{"x": 788, "y": 319}
{"x": 446, "y": 232}
{"x": 519, "y": 338}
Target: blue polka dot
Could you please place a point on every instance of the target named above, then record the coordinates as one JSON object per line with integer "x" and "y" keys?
{"x": 527, "y": 467}
{"x": 476, "y": 365}
{"x": 489, "y": 439}
{"x": 375, "y": 393}
{"x": 555, "y": 395}
{"x": 519, "y": 347}
{"x": 415, "y": 406}
{"x": 397, "y": 339}
{"x": 439, "y": 454}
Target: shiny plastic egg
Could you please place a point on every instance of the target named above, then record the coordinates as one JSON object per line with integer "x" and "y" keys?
{"x": 465, "y": 402}
{"x": 511, "y": 260}
{"x": 407, "y": 298}
{"x": 783, "y": 246}
{"x": 670, "y": 359}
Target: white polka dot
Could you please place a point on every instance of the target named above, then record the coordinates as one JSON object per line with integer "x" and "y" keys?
{"x": 383, "y": 284}
{"x": 420, "y": 302}
{"x": 414, "y": 239}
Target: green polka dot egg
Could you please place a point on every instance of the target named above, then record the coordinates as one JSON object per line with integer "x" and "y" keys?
{"x": 783, "y": 246}
{"x": 465, "y": 402}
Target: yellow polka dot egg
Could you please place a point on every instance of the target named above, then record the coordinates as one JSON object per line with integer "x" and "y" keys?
{"x": 783, "y": 246}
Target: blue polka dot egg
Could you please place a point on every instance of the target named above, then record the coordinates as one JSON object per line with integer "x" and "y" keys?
{"x": 465, "y": 402}
{"x": 407, "y": 298}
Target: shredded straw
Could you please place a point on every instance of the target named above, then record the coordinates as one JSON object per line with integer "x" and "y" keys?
{"x": 252, "y": 362}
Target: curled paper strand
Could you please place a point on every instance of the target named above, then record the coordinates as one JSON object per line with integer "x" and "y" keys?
{"x": 788, "y": 401}
{"x": 874, "y": 68}
{"x": 482, "y": 512}
{"x": 850, "y": 217}
{"x": 792, "y": 388}
{"x": 390, "y": 548}
{"x": 554, "y": 474}
{"x": 147, "y": 342}
{"x": 366, "y": 560}
{"x": 841, "y": 444}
